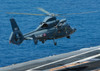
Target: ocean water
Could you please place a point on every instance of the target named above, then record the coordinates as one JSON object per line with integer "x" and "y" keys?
{"x": 87, "y": 25}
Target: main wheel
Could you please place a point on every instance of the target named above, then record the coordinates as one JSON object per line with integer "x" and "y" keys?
{"x": 68, "y": 37}
{"x": 35, "y": 42}
{"x": 43, "y": 42}
{"x": 55, "y": 43}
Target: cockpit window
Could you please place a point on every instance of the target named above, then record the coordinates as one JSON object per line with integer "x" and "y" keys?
{"x": 44, "y": 25}
{"x": 51, "y": 19}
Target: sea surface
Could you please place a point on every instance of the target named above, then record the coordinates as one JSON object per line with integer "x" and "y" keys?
{"x": 87, "y": 25}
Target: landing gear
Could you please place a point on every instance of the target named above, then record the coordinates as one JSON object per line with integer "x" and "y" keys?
{"x": 68, "y": 37}
{"x": 35, "y": 41}
{"x": 55, "y": 43}
{"x": 43, "y": 41}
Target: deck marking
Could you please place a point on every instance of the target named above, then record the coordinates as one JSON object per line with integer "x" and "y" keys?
{"x": 81, "y": 61}
{"x": 61, "y": 60}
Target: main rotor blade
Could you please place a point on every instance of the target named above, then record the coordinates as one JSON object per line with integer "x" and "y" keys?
{"x": 77, "y": 13}
{"x": 41, "y": 9}
{"x": 26, "y": 14}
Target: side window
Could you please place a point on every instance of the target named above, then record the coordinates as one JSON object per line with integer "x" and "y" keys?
{"x": 44, "y": 25}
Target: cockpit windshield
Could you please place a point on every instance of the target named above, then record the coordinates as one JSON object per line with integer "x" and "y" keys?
{"x": 51, "y": 19}
{"x": 47, "y": 19}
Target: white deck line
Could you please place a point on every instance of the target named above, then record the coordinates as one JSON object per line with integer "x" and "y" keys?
{"x": 81, "y": 60}
{"x": 61, "y": 60}
{"x": 85, "y": 59}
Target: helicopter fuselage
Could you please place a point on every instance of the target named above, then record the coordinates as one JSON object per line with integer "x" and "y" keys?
{"x": 59, "y": 30}
{"x": 53, "y": 33}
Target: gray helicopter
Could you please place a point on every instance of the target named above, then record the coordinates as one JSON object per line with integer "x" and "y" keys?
{"x": 50, "y": 29}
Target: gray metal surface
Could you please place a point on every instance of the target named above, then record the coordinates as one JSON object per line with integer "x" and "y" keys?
{"x": 53, "y": 61}
{"x": 84, "y": 67}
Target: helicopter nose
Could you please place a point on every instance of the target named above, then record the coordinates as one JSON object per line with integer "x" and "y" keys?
{"x": 74, "y": 30}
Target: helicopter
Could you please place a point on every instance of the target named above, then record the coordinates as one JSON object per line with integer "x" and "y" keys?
{"x": 50, "y": 29}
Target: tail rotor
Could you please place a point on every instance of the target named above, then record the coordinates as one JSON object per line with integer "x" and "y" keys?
{"x": 16, "y": 36}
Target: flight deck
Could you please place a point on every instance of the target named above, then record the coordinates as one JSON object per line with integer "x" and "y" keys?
{"x": 80, "y": 60}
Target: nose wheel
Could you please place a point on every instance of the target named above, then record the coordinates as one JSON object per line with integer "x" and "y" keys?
{"x": 55, "y": 43}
